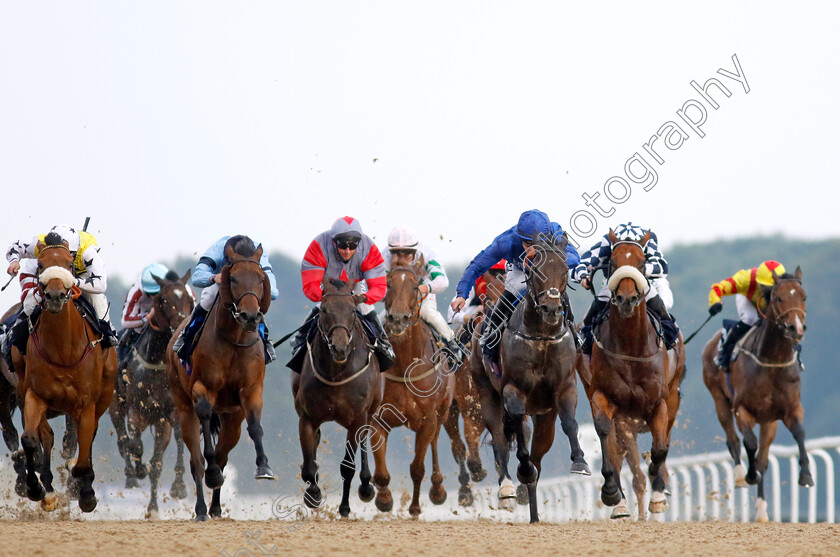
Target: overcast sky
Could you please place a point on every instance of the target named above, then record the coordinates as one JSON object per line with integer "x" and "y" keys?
{"x": 174, "y": 123}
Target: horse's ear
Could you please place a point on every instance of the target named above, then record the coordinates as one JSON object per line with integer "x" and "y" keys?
{"x": 259, "y": 252}
{"x": 645, "y": 239}
{"x": 224, "y": 287}
{"x": 797, "y": 274}
{"x": 229, "y": 253}
{"x": 564, "y": 241}
{"x": 613, "y": 237}
{"x": 338, "y": 283}
{"x": 775, "y": 278}
{"x": 160, "y": 281}
{"x": 419, "y": 264}
{"x": 66, "y": 244}
{"x": 265, "y": 300}
{"x": 183, "y": 280}
{"x": 766, "y": 291}
{"x": 39, "y": 246}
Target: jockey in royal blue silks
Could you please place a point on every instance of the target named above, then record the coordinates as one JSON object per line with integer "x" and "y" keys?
{"x": 208, "y": 275}
{"x": 511, "y": 246}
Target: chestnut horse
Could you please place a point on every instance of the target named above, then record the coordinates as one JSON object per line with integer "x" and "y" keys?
{"x": 537, "y": 360}
{"x": 763, "y": 385}
{"x": 466, "y": 401}
{"x": 146, "y": 398}
{"x": 420, "y": 386}
{"x": 65, "y": 369}
{"x": 225, "y": 384}
{"x": 633, "y": 376}
{"x": 339, "y": 382}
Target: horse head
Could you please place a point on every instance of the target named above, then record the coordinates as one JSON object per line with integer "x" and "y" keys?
{"x": 547, "y": 275}
{"x": 245, "y": 289}
{"x": 786, "y": 304}
{"x": 172, "y": 303}
{"x": 55, "y": 272}
{"x": 402, "y": 301}
{"x": 627, "y": 280}
{"x": 337, "y": 318}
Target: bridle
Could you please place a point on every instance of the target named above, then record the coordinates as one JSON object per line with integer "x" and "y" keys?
{"x": 778, "y": 315}
{"x": 552, "y": 293}
{"x": 641, "y": 268}
{"x": 234, "y": 304}
{"x": 419, "y": 298}
{"x": 327, "y": 335}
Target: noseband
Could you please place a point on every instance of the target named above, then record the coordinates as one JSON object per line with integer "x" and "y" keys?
{"x": 234, "y": 305}
{"x": 327, "y": 335}
{"x": 778, "y": 315}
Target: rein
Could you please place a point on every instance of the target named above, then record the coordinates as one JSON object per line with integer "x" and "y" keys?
{"x": 234, "y": 310}
{"x": 88, "y": 349}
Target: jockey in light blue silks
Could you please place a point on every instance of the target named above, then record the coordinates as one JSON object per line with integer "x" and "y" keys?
{"x": 511, "y": 246}
{"x": 208, "y": 275}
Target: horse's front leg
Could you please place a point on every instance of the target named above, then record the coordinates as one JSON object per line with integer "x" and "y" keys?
{"x": 514, "y": 403}
{"x": 83, "y": 470}
{"x": 309, "y": 437}
{"x": 253, "y": 403}
{"x": 658, "y": 423}
{"x": 50, "y": 501}
{"x": 567, "y": 406}
{"x": 459, "y": 452}
{"x": 163, "y": 433}
{"x": 493, "y": 413}
{"x": 767, "y": 432}
{"x": 603, "y": 412}
{"x": 794, "y": 423}
{"x": 348, "y": 467}
{"x": 381, "y": 478}
{"x": 417, "y": 468}
{"x": 746, "y": 423}
{"x": 179, "y": 488}
{"x": 34, "y": 411}
{"x": 366, "y": 491}
{"x": 191, "y": 432}
{"x": 230, "y": 429}
{"x": 204, "y": 410}
{"x": 540, "y": 445}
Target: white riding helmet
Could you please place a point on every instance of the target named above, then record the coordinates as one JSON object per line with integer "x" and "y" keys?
{"x": 402, "y": 238}
{"x": 69, "y": 234}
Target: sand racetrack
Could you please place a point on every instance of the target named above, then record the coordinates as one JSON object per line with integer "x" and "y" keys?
{"x": 405, "y": 537}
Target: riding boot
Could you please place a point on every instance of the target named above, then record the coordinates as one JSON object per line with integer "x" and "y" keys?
{"x": 492, "y": 336}
{"x": 798, "y": 349}
{"x": 184, "y": 343}
{"x": 299, "y": 341}
{"x": 16, "y": 335}
{"x": 127, "y": 339}
{"x": 670, "y": 332}
{"x": 736, "y": 333}
{"x": 455, "y": 350}
{"x": 586, "y": 331}
{"x": 381, "y": 345}
{"x": 270, "y": 354}
{"x": 570, "y": 319}
{"x": 109, "y": 335}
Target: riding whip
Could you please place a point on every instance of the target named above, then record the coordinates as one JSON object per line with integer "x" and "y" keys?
{"x": 686, "y": 341}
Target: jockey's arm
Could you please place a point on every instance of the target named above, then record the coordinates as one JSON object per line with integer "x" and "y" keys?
{"x": 21, "y": 249}
{"x": 132, "y": 314}
{"x": 266, "y": 266}
{"x": 373, "y": 271}
{"x": 738, "y": 283}
{"x": 655, "y": 264}
{"x": 594, "y": 257}
{"x": 436, "y": 280}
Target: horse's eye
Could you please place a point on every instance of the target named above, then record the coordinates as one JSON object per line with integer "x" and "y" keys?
{"x": 777, "y": 300}
{"x": 233, "y": 280}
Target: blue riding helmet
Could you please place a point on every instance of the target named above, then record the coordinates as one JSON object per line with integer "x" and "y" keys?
{"x": 533, "y": 221}
{"x": 147, "y": 281}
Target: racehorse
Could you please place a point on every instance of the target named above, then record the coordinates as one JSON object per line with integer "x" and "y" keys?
{"x": 146, "y": 398}
{"x": 633, "y": 377}
{"x": 537, "y": 364}
{"x": 763, "y": 385}
{"x": 420, "y": 387}
{"x": 65, "y": 369}
{"x": 466, "y": 400}
{"x": 339, "y": 382}
{"x": 225, "y": 383}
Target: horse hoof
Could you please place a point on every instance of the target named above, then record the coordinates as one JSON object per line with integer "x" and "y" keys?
{"x": 761, "y": 511}
{"x": 581, "y": 468}
{"x": 87, "y": 504}
{"x": 50, "y": 502}
{"x": 384, "y": 501}
{"x": 753, "y": 476}
{"x": 36, "y": 493}
{"x": 806, "y": 480}
{"x": 740, "y": 476}
{"x": 437, "y": 494}
{"x": 201, "y": 518}
{"x": 414, "y": 511}
{"x": 366, "y": 493}
{"x": 621, "y": 510}
{"x": 178, "y": 490}
{"x": 344, "y": 511}
{"x": 477, "y": 472}
{"x": 264, "y": 473}
{"x": 507, "y": 504}
{"x": 215, "y": 512}
{"x": 131, "y": 482}
{"x": 20, "y": 486}
{"x": 506, "y": 489}
{"x": 152, "y": 515}
{"x": 526, "y": 475}
{"x": 610, "y": 498}
{"x": 213, "y": 477}
{"x": 465, "y": 496}
{"x": 658, "y": 503}
{"x": 522, "y": 494}
{"x": 141, "y": 471}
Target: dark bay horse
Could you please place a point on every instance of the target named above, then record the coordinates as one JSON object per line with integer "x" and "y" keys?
{"x": 537, "y": 359}
{"x": 225, "y": 385}
{"x": 633, "y": 376}
{"x": 765, "y": 385}
{"x": 146, "y": 398}
{"x": 339, "y": 382}
{"x": 420, "y": 386}
{"x": 466, "y": 401}
{"x": 65, "y": 369}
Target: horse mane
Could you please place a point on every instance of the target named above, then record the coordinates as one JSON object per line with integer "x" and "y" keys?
{"x": 338, "y": 283}
{"x": 171, "y": 275}
{"x": 53, "y": 239}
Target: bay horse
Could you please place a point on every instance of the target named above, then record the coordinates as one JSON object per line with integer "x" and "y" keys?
{"x": 225, "y": 382}
{"x": 65, "y": 369}
{"x": 420, "y": 386}
{"x": 339, "y": 382}
{"x": 537, "y": 364}
{"x": 466, "y": 400}
{"x": 763, "y": 385}
{"x": 146, "y": 399}
{"x": 633, "y": 377}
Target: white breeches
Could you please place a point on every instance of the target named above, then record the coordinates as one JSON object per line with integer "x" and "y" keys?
{"x": 658, "y": 286}
{"x": 98, "y": 301}
{"x": 747, "y": 311}
{"x": 515, "y": 280}
{"x": 208, "y": 295}
{"x": 430, "y": 314}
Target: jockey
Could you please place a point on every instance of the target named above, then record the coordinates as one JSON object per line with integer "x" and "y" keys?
{"x": 658, "y": 299}
{"x": 208, "y": 275}
{"x": 510, "y": 245}
{"x": 88, "y": 269}
{"x": 345, "y": 253}
{"x": 403, "y": 249}
{"x": 138, "y": 307}
{"x": 473, "y": 306}
{"x": 748, "y": 287}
